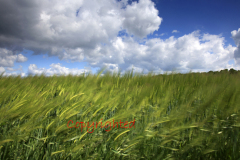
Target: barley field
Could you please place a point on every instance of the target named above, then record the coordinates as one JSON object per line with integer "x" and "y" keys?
{"x": 192, "y": 116}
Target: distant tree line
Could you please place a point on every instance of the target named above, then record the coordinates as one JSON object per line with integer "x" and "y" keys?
{"x": 225, "y": 71}
{"x": 230, "y": 71}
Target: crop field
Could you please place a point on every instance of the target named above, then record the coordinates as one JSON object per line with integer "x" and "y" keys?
{"x": 192, "y": 116}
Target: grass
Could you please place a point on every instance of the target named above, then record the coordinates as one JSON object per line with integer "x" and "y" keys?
{"x": 177, "y": 116}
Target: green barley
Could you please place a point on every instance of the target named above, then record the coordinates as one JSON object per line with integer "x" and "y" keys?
{"x": 177, "y": 116}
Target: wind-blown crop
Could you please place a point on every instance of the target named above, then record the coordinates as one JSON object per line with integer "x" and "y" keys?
{"x": 177, "y": 116}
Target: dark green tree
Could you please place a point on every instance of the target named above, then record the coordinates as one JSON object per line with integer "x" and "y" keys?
{"x": 232, "y": 71}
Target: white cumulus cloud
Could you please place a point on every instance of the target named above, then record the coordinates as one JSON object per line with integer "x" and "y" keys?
{"x": 55, "y": 69}
{"x": 76, "y": 30}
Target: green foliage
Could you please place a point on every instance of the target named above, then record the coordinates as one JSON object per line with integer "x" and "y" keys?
{"x": 177, "y": 116}
{"x": 225, "y": 71}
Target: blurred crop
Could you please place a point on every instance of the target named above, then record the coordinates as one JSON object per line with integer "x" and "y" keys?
{"x": 177, "y": 116}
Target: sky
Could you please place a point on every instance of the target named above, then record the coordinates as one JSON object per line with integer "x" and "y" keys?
{"x": 72, "y": 37}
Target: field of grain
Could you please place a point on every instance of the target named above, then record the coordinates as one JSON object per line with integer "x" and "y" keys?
{"x": 177, "y": 116}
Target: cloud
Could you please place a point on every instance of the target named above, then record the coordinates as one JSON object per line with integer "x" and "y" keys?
{"x": 2, "y": 69}
{"x": 21, "y": 58}
{"x": 14, "y": 74}
{"x": 76, "y": 30}
{"x": 138, "y": 23}
{"x": 55, "y": 69}
{"x": 191, "y": 51}
{"x": 160, "y": 34}
{"x": 236, "y": 38}
{"x": 11, "y": 69}
{"x": 41, "y": 27}
{"x": 175, "y": 31}
{"x": 7, "y": 58}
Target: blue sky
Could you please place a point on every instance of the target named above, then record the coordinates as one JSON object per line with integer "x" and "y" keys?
{"x": 62, "y": 36}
